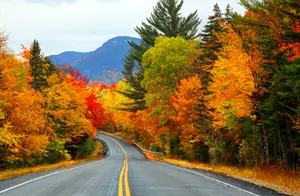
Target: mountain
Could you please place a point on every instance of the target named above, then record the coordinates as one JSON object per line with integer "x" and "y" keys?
{"x": 105, "y": 61}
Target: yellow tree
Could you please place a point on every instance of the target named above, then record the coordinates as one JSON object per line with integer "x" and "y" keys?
{"x": 235, "y": 80}
{"x": 66, "y": 108}
{"x": 23, "y": 130}
{"x": 185, "y": 101}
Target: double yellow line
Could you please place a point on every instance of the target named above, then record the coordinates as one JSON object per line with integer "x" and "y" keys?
{"x": 123, "y": 175}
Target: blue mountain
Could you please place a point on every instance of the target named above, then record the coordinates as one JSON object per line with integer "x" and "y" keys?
{"x": 105, "y": 60}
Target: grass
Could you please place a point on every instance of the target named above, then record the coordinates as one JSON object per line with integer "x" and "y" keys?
{"x": 280, "y": 180}
{"x": 11, "y": 173}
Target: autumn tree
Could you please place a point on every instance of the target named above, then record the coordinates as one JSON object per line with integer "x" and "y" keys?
{"x": 23, "y": 132}
{"x": 185, "y": 101}
{"x": 209, "y": 44}
{"x": 169, "y": 61}
{"x": 275, "y": 25}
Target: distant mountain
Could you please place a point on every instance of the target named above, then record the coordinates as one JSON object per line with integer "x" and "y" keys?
{"x": 105, "y": 61}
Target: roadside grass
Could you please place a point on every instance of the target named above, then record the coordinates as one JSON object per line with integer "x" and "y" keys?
{"x": 281, "y": 180}
{"x": 11, "y": 173}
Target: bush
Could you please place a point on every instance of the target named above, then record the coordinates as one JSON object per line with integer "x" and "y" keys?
{"x": 57, "y": 151}
{"x": 155, "y": 148}
{"x": 87, "y": 148}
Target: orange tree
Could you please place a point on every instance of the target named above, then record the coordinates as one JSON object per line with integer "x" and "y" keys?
{"x": 23, "y": 131}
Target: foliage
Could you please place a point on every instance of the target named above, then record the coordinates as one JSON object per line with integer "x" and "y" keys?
{"x": 41, "y": 110}
{"x": 166, "y": 20}
{"x": 165, "y": 64}
{"x": 232, "y": 98}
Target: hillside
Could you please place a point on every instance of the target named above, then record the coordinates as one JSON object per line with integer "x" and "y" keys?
{"x": 105, "y": 60}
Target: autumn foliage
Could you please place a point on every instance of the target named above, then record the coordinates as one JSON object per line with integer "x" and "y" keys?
{"x": 230, "y": 98}
{"x": 37, "y": 126}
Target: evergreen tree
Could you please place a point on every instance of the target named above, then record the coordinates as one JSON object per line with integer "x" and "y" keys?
{"x": 209, "y": 44}
{"x": 228, "y": 14}
{"x": 166, "y": 20}
{"x": 40, "y": 67}
{"x": 36, "y": 65}
{"x": 51, "y": 67}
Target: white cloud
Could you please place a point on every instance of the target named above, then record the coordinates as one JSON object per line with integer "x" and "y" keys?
{"x": 83, "y": 25}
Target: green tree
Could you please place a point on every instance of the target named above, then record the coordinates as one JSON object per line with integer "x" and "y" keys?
{"x": 40, "y": 67}
{"x": 165, "y": 64}
{"x": 228, "y": 14}
{"x": 209, "y": 42}
{"x": 166, "y": 20}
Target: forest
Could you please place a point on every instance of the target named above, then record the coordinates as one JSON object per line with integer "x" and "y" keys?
{"x": 46, "y": 115}
{"x": 228, "y": 94}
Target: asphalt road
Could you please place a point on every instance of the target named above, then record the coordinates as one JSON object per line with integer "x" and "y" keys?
{"x": 125, "y": 171}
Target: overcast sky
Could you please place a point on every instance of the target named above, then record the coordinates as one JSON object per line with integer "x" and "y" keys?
{"x": 83, "y": 25}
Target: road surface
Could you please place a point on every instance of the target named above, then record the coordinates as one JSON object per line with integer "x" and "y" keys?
{"x": 125, "y": 171}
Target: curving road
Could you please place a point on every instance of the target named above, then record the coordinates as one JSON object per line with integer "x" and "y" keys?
{"x": 125, "y": 171}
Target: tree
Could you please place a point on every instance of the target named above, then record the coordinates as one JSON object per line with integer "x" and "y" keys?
{"x": 227, "y": 15}
{"x": 169, "y": 61}
{"x": 40, "y": 67}
{"x": 23, "y": 132}
{"x": 166, "y": 20}
{"x": 185, "y": 101}
{"x": 234, "y": 81}
{"x": 276, "y": 34}
{"x": 209, "y": 44}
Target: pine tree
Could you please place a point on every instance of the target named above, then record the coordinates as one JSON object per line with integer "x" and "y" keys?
{"x": 166, "y": 20}
{"x": 36, "y": 65}
{"x": 228, "y": 14}
{"x": 40, "y": 67}
{"x": 51, "y": 67}
{"x": 209, "y": 44}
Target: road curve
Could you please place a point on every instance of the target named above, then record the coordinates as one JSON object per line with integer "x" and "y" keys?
{"x": 139, "y": 177}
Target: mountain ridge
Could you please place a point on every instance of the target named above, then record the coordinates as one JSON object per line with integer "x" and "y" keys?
{"x": 94, "y": 64}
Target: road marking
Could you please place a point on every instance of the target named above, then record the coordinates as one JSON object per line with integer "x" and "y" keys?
{"x": 122, "y": 174}
{"x": 126, "y": 179}
{"x": 54, "y": 173}
{"x": 120, "y": 191}
{"x": 210, "y": 178}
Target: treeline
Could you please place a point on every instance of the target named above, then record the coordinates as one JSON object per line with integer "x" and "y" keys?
{"x": 229, "y": 94}
{"x": 45, "y": 116}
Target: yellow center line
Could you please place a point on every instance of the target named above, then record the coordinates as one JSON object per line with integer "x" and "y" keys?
{"x": 123, "y": 173}
{"x": 127, "y": 189}
{"x": 120, "y": 189}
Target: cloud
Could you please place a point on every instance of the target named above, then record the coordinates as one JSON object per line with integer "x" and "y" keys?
{"x": 51, "y": 2}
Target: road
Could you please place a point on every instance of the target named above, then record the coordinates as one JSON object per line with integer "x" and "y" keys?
{"x": 125, "y": 171}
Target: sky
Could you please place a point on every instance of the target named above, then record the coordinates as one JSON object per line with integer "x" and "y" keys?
{"x": 83, "y": 25}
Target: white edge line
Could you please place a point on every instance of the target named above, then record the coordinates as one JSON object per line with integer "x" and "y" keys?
{"x": 57, "y": 172}
{"x": 210, "y": 178}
